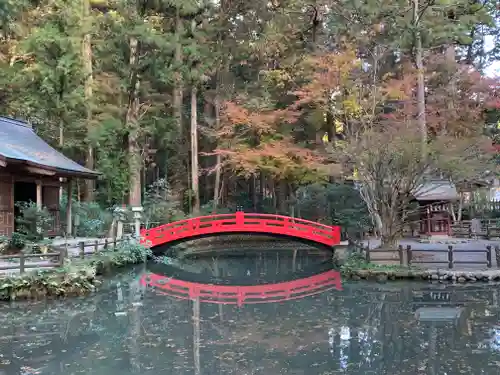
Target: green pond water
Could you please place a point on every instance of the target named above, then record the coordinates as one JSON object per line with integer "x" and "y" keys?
{"x": 126, "y": 328}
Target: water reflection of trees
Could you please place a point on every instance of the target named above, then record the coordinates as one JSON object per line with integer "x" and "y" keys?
{"x": 250, "y": 268}
{"x": 364, "y": 329}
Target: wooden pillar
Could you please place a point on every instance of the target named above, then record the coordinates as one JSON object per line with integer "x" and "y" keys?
{"x": 429, "y": 214}
{"x": 39, "y": 202}
{"x": 69, "y": 221}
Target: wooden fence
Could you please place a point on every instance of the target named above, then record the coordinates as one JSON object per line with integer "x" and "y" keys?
{"x": 487, "y": 228}
{"x": 405, "y": 256}
{"x": 56, "y": 257}
{"x": 96, "y": 246}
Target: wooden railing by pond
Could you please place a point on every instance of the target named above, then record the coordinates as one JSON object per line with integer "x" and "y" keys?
{"x": 55, "y": 258}
{"x": 97, "y": 246}
{"x": 485, "y": 228}
{"x": 22, "y": 266}
{"x": 406, "y": 256}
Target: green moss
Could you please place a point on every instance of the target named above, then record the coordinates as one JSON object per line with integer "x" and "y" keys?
{"x": 75, "y": 278}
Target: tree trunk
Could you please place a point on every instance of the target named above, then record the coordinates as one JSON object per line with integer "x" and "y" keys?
{"x": 457, "y": 216}
{"x": 179, "y": 171}
{"x": 61, "y": 144}
{"x": 218, "y": 168}
{"x": 177, "y": 95}
{"x": 451, "y": 60}
{"x": 132, "y": 125}
{"x": 194, "y": 152}
{"x": 422, "y": 123}
{"x": 391, "y": 227}
{"x": 87, "y": 67}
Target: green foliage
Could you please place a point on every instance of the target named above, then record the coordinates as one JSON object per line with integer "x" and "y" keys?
{"x": 127, "y": 252}
{"x": 111, "y": 161}
{"x": 208, "y": 209}
{"x": 17, "y": 240}
{"x": 247, "y": 50}
{"x": 89, "y": 218}
{"x": 130, "y": 252}
{"x": 159, "y": 208}
{"x": 335, "y": 204}
{"x": 65, "y": 281}
{"x": 5, "y": 245}
{"x": 357, "y": 261}
{"x": 75, "y": 278}
{"x": 33, "y": 223}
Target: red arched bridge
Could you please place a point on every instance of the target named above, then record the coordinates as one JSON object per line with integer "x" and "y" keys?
{"x": 241, "y": 222}
{"x": 240, "y": 295}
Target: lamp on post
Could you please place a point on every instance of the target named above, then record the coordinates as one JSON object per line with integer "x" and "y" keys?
{"x": 137, "y": 220}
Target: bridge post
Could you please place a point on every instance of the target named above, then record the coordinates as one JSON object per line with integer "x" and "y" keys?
{"x": 240, "y": 218}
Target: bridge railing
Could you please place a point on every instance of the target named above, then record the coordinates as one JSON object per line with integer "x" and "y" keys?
{"x": 241, "y": 221}
{"x": 239, "y": 295}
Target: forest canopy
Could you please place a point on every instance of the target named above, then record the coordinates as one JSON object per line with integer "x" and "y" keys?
{"x": 247, "y": 103}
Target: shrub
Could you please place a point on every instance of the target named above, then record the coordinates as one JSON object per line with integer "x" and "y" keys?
{"x": 335, "y": 204}
{"x": 5, "y": 245}
{"x": 90, "y": 219}
{"x": 34, "y": 223}
{"x": 72, "y": 279}
{"x": 64, "y": 281}
{"x": 17, "y": 240}
{"x": 128, "y": 252}
{"x": 159, "y": 207}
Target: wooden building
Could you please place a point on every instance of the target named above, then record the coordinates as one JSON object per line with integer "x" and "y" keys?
{"x": 31, "y": 170}
{"x": 434, "y": 199}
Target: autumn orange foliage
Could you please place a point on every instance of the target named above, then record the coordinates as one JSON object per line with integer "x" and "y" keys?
{"x": 252, "y": 143}
{"x": 253, "y": 140}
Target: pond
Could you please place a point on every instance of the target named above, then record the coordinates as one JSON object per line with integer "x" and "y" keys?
{"x": 128, "y": 328}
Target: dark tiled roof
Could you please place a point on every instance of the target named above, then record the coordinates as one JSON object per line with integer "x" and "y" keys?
{"x": 18, "y": 142}
{"x": 436, "y": 191}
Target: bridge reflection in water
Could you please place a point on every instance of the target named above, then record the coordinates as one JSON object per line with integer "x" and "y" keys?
{"x": 126, "y": 328}
{"x": 222, "y": 277}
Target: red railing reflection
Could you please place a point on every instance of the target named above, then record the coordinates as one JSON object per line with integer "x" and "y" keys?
{"x": 240, "y": 295}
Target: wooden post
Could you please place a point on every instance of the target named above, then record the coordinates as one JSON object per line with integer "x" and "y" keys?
{"x": 69, "y": 216}
{"x": 82, "y": 249}
{"x": 488, "y": 256}
{"x": 408, "y": 255}
{"x": 429, "y": 213}
{"x": 62, "y": 256}
{"x": 39, "y": 202}
{"x": 450, "y": 257}
{"x": 22, "y": 261}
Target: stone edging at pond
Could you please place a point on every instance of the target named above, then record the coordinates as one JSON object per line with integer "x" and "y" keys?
{"x": 453, "y": 276}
